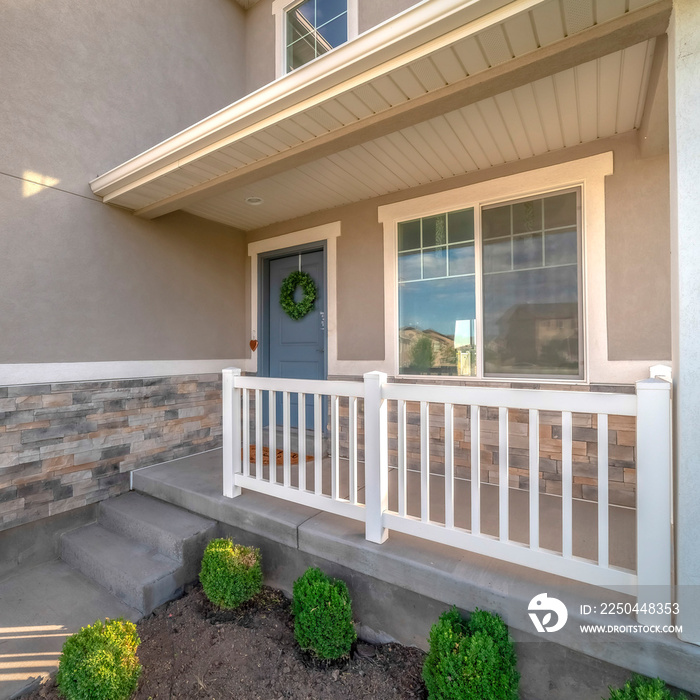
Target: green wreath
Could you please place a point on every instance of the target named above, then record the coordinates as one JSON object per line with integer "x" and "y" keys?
{"x": 296, "y": 310}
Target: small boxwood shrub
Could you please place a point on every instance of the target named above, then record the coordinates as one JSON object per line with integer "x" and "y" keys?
{"x": 230, "y": 573}
{"x": 472, "y": 660}
{"x": 322, "y": 615}
{"x": 641, "y": 688}
{"x": 100, "y": 662}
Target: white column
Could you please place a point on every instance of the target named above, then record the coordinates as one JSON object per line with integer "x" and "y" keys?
{"x": 376, "y": 459}
{"x": 654, "y": 564}
{"x": 231, "y": 421}
{"x": 684, "y": 143}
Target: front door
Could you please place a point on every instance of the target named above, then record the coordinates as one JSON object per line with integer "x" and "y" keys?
{"x": 296, "y": 347}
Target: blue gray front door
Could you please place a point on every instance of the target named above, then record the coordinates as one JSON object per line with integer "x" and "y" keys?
{"x": 297, "y": 348}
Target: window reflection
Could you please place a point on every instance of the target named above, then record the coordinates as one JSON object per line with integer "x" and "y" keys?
{"x": 531, "y": 287}
{"x": 314, "y": 27}
{"x": 437, "y": 302}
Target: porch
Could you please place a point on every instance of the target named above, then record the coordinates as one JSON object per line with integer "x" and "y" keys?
{"x": 401, "y": 586}
{"x": 366, "y": 464}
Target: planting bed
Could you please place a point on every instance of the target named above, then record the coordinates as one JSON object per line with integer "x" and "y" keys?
{"x": 189, "y": 649}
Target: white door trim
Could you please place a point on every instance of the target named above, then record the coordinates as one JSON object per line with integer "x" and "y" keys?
{"x": 327, "y": 233}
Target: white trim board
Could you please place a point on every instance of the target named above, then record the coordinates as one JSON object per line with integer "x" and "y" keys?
{"x": 55, "y": 372}
{"x": 587, "y": 173}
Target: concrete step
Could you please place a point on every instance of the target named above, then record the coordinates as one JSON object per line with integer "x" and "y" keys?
{"x": 174, "y": 532}
{"x": 137, "y": 574}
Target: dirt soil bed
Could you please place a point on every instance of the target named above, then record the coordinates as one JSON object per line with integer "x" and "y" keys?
{"x": 191, "y": 650}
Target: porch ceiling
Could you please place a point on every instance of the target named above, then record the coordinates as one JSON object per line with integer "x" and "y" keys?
{"x": 452, "y": 93}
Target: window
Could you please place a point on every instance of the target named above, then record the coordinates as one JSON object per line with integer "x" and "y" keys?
{"x": 308, "y": 29}
{"x": 314, "y": 27}
{"x": 437, "y": 304}
{"x": 522, "y": 259}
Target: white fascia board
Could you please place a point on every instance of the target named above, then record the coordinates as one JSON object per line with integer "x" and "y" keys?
{"x": 421, "y": 30}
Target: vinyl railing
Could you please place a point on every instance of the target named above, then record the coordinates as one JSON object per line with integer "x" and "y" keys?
{"x": 326, "y": 481}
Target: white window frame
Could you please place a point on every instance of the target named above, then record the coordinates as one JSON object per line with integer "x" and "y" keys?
{"x": 279, "y": 11}
{"x": 589, "y": 175}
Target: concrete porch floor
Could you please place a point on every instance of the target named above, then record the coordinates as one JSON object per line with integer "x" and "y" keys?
{"x": 414, "y": 580}
{"x": 622, "y": 527}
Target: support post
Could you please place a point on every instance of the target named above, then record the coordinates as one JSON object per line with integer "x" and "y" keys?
{"x": 231, "y": 419}
{"x": 376, "y": 460}
{"x": 684, "y": 152}
{"x": 654, "y": 564}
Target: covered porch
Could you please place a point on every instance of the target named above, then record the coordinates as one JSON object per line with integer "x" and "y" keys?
{"x": 558, "y": 465}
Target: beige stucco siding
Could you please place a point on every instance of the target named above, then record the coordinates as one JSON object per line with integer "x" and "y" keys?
{"x": 637, "y": 250}
{"x": 86, "y": 85}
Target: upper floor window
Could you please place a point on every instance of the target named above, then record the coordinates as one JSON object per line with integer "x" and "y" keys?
{"x": 311, "y": 28}
{"x": 314, "y": 27}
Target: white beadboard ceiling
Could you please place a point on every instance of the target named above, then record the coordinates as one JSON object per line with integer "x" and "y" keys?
{"x": 593, "y": 100}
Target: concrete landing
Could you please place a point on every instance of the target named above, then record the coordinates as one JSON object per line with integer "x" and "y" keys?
{"x": 39, "y": 608}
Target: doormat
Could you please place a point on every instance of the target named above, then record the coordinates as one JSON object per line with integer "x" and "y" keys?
{"x": 294, "y": 456}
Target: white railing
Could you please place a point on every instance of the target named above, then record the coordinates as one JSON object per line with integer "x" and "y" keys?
{"x": 333, "y": 484}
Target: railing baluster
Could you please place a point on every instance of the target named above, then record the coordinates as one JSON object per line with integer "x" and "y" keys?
{"x": 246, "y": 432}
{"x": 424, "y": 461}
{"x": 567, "y": 503}
{"x": 318, "y": 445}
{"x": 402, "y": 466}
{"x": 272, "y": 437}
{"x": 352, "y": 449}
{"x": 301, "y": 439}
{"x": 449, "y": 467}
{"x": 603, "y": 490}
{"x": 286, "y": 438}
{"x": 475, "y": 430}
{"x": 258, "y": 434}
{"x": 335, "y": 451}
{"x": 534, "y": 479}
{"x": 503, "y": 474}
{"x": 376, "y": 457}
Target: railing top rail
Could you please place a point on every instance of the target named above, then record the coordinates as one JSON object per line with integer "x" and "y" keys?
{"x": 540, "y": 399}
{"x": 306, "y": 386}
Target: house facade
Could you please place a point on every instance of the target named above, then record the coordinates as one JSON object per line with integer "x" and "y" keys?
{"x": 495, "y": 194}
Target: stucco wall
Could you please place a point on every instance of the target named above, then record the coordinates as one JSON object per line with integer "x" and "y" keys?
{"x": 637, "y": 250}
{"x": 85, "y": 85}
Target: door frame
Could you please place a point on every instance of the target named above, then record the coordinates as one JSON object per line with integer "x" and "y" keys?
{"x": 264, "y": 259}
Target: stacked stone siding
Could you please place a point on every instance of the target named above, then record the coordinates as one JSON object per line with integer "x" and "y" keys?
{"x": 64, "y": 446}
{"x": 621, "y": 446}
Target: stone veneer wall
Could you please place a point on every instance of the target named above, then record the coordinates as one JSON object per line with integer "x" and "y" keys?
{"x": 621, "y": 444}
{"x": 66, "y": 445}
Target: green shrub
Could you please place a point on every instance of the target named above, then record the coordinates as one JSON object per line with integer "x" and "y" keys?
{"x": 100, "y": 662}
{"x": 472, "y": 660}
{"x": 322, "y": 615}
{"x": 641, "y": 688}
{"x": 230, "y": 573}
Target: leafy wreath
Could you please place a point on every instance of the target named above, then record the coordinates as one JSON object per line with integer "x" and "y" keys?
{"x": 296, "y": 310}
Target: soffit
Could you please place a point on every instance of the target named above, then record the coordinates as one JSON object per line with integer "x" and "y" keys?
{"x": 595, "y": 99}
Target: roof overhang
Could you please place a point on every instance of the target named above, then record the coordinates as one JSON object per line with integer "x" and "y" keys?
{"x": 435, "y": 59}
